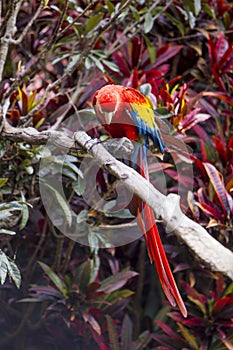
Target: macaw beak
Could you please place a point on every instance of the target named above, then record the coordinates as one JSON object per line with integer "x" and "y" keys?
{"x": 108, "y": 117}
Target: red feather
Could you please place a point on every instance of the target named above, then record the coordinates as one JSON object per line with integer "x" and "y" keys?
{"x": 113, "y": 104}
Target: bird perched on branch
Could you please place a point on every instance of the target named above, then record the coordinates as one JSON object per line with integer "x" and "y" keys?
{"x": 125, "y": 112}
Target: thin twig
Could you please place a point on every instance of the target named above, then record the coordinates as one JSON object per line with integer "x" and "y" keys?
{"x": 9, "y": 34}
{"x": 138, "y": 25}
{"x": 28, "y": 26}
{"x": 58, "y": 83}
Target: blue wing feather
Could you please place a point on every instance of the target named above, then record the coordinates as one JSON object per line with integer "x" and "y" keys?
{"x": 146, "y": 132}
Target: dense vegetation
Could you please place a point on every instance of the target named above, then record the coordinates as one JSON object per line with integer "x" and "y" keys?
{"x": 57, "y": 292}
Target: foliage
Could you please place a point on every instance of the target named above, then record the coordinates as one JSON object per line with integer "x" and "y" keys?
{"x": 180, "y": 54}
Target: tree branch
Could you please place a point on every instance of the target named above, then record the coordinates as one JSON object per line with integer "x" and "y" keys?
{"x": 59, "y": 139}
{"x": 200, "y": 242}
{"x": 9, "y": 33}
{"x": 167, "y": 208}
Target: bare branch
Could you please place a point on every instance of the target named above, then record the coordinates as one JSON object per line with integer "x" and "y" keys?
{"x": 9, "y": 34}
{"x": 28, "y": 26}
{"x": 60, "y": 139}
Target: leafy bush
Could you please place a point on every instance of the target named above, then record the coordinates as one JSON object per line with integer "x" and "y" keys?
{"x": 180, "y": 54}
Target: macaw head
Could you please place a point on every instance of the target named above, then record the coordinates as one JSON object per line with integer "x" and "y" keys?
{"x": 106, "y": 103}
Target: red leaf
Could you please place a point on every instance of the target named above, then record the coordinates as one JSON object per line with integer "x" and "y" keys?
{"x": 220, "y": 304}
{"x": 227, "y": 67}
{"x": 220, "y": 95}
{"x": 230, "y": 147}
{"x": 221, "y": 47}
{"x": 135, "y": 78}
{"x": 116, "y": 281}
{"x": 14, "y": 117}
{"x": 193, "y": 118}
{"x": 218, "y": 185}
{"x": 200, "y": 166}
{"x": 212, "y": 51}
{"x": 226, "y": 57}
{"x": 194, "y": 321}
{"x": 88, "y": 318}
{"x": 207, "y": 209}
{"x": 136, "y": 50}
{"x": 221, "y": 149}
{"x": 168, "y": 330}
{"x": 99, "y": 339}
{"x": 23, "y": 102}
{"x": 165, "y": 53}
{"x": 202, "y": 134}
{"x": 193, "y": 293}
{"x": 122, "y": 64}
{"x": 162, "y": 340}
{"x": 218, "y": 79}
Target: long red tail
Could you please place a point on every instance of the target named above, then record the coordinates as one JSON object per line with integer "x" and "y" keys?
{"x": 157, "y": 254}
{"x": 146, "y": 222}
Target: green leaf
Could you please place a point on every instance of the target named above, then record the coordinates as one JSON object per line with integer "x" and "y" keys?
{"x": 93, "y": 22}
{"x": 126, "y": 333}
{"x": 86, "y": 116}
{"x": 209, "y": 10}
{"x": 93, "y": 239}
{"x": 88, "y": 318}
{"x": 229, "y": 289}
{"x": 97, "y": 62}
{"x": 192, "y": 20}
{"x": 82, "y": 216}
{"x": 3, "y": 180}
{"x": 162, "y": 113}
{"x": 3, "y": 269}
{"x": 69, "y": 173}
{"x": 15, "y": 275}
{"x": 145, "y": 89}
{"x": 197, "y": 7}
{"x": 149, "y": 22}
{"x": 135, "y": 13}
{"x": 188, "y": 336}
{"x": 62, "y": 203}
{"x": 79, "y": 186}
{"x": 54, "y": 278}
{"x": 176, "y": 22}
{"x": 111, "y": 65}
{"x": 110, "y": 6}
{"x": 72, "y": 63}
{"x": 121, "y": 214}
{"x": 142, "y": 341}
{"x": 68, "y": 163}
{"x": 25, "y": 213}
{"x": 114, "y": 297}
{"x": 116, "y": 281}
{"x": 112, "y": 333}
{"x": 83, "y": 276}
{"x": 30, "y": 300}
{"x": 29, "y": 170}
{"x": 7, "y": 232}
{"x": 151, "y": 49}
{"x": 95, "y": 265}
{"x": 7, "y": 266}
{"x": 199, "y": 304}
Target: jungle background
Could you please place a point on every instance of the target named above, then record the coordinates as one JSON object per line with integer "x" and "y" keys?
{"x": 56, "y": 293}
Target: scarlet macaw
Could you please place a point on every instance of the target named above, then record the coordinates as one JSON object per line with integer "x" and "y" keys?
{"x": 125, "y": 112}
